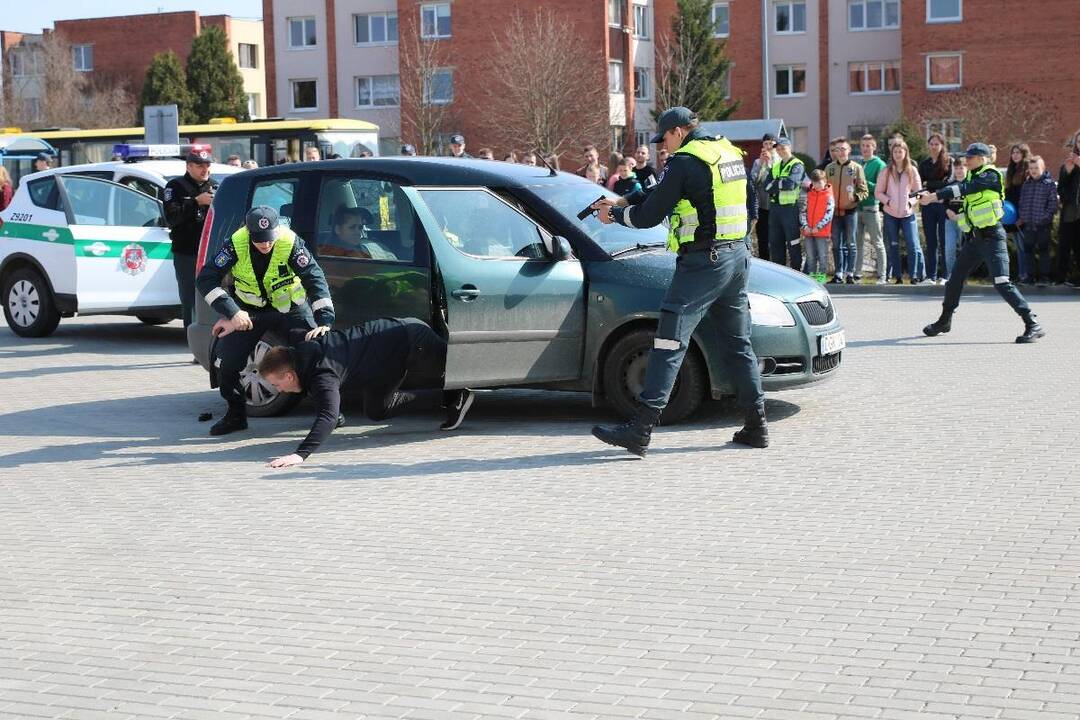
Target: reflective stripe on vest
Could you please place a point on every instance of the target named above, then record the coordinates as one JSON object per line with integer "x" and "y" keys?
{"x": 985, "y": 208}
{"x": 781, "y": 171}
{"x": 280, "y": 281}
{"x": 728, "y": 190}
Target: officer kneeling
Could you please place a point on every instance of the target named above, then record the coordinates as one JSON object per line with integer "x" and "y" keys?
{"x": 375, "y": 357}
{"x": 983, "y": 193}
{"x": 273, "y": 274}
{"x": 703, "y": 189}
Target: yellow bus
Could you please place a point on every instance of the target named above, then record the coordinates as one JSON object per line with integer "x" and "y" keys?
{"x": 265, "y": 141}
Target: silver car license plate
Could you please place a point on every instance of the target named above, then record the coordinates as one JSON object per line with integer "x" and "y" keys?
{"x": 831, "y": 343}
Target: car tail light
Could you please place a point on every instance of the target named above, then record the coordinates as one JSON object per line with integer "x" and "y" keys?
{"x": 204, "y": 240}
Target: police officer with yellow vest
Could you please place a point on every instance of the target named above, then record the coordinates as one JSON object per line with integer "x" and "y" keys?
{"x": 784, "y": 184}
{"x": 274, "y": 276}
{"x": 702, "y": 192}
{"x": 983, "y": 194}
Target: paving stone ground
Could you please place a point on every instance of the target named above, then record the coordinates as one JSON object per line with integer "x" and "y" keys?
{"x": 908, "y": 548}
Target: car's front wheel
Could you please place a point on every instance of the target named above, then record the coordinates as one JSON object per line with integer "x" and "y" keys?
{"x": 624, "y": 378}
{"x": 263, "y": 399}
{"x": 28, "y": 304}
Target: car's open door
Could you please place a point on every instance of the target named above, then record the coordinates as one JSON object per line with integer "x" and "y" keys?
{"x": 123, "y": 255}
{"x": 515, "y": 302}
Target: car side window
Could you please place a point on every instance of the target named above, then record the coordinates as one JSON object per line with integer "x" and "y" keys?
{"x": 277, "y": 193}
{"x": 478, "y": 223}
{"x": 365, "y": 219}
{"x": 91, "y": 200}
{"x": 143, "y": 185}
{"x": 45, "y": 194}
{"x": 135, "y": 209}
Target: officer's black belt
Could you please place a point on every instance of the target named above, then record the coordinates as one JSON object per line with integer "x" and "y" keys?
{"x": 705, "y": 245}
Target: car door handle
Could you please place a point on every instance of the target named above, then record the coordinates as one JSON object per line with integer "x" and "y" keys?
{"x": 97, "y": 249}
{"x": 466, "y": 293}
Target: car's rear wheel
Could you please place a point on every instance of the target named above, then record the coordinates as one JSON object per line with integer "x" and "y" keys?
{"x": 624, "y": 378}
{"x": 263, "y": 399}
{"x": 153, "y": 320}
{"x": 29, "y": 307}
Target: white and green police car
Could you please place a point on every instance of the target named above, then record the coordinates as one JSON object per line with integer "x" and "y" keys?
{"x": 72, "y": 242}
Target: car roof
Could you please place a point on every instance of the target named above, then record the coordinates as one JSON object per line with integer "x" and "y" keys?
{"x": 148, "y": 168}
{"x": 435, "y": 171}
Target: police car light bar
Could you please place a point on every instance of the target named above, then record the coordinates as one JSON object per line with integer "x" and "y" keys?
{"x": 126, "y": 151}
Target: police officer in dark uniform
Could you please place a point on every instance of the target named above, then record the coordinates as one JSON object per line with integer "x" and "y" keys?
{"x": 186, "y": 201}
{"x": 457, "y": 146}
{"x": 375, "y": 357}
{"x": 702, "y": 191}
{"x": 983, "y": 196}
{"x": 275, "y": 277}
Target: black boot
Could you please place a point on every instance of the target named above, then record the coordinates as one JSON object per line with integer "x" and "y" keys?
{"x": 942, "y": 325}
{"x": 634, "y": 434}
{"x": 1032, "y": 331}
{"x": 755, "y": 431}
{"x": 234, "y": 420}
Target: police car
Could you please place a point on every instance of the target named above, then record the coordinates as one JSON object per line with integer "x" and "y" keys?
{"x": 79, "y": 240}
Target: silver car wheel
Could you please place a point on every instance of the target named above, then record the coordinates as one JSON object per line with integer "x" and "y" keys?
{"x": 257, "y": 390}
{"x": 24, "y": 303}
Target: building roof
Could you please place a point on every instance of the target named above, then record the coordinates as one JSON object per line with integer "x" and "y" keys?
{"x": 744, "y": 130}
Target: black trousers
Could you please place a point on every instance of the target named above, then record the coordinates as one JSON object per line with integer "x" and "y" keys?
{"x": 233, "y": 350}
{"x": 984, "y": 246}
{"x": 1068, "y": 248}
{"x": 426, "y": 360}
{"x": 184, "y": 269}
{"x": 761, "y": 229}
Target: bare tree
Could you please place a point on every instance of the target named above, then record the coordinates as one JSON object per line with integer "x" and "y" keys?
{"x": 544, "y": 96}
{"x": 998, "y": 114}
{"x": 424, "y": 117}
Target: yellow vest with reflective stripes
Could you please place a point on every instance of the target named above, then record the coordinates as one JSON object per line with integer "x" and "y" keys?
{"x": 728, "y": 189}
{"x": 985, "y": 208}
{"x": 280, "y": 281}
{"x": 783, "y": 170}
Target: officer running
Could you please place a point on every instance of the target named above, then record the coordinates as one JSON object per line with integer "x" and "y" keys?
{"x": 703, "y": 189}
{"x": 374, "y": 357}
{"x": 187, "y": 199}
{"x": 274, "y": 274}
{"x": 783, "y": 187}
{"x": 983, "y": 193}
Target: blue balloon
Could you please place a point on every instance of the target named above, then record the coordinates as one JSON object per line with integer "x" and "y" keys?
{"x": 1010, "y": 214}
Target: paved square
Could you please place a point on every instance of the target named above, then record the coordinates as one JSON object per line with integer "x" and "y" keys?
{"x": 908, "y": 548}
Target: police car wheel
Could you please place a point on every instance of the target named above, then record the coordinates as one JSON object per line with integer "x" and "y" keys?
{"x": 263, "y": 399}
{"x": 624, "y": 378}
{"x": 28, "y": 304}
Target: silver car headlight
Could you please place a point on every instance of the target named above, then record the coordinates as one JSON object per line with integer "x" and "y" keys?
{"x": 769, "y": 311}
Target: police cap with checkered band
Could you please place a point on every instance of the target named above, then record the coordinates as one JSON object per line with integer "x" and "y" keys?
{"x": 261, "y": 223}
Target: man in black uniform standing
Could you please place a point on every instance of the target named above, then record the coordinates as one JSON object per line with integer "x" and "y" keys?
{"x": 702, "y": 191}
{"x": 186, "y": 201}
{"x": 375, "y": 356}
{"x": 274, "y": 277}
{"x": 457, "y": 146}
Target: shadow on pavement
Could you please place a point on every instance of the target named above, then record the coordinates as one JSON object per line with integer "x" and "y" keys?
{"x": 97, "y": 338}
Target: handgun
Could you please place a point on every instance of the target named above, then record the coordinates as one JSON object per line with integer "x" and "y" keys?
{"x": 589, "y": 209}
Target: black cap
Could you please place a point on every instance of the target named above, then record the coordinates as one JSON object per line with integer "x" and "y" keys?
{"x": 671, "y": 119}
{"x": 261, "y": 223}
{"x": 203, "y": 157}
{"x": 457, "y": 139}
{"x": 784, "y": 141}
{"x": 768, "y": 137}
{"x": 977, "y": 150}
{"x": 43, "y": 156}
{"x": 408, "y": 150}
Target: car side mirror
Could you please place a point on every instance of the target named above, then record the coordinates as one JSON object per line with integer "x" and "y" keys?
{"x": 560, "y": 248}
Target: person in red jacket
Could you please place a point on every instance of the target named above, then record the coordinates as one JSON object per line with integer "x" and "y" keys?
{"x": 816, "y": 208}
{"x": 6, "y": 188}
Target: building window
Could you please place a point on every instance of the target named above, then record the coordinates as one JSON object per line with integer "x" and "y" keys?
{"x": 855, "y": 132}
{"x": 642, "y": 137}
{"x": 874, "y": 78}
{"x": 439, "y": 89}
{"x": 378, "y": 91}
{"x": 790, "y": 80}
{"x": 83, "y": 57}
{"x": 721, "y": 19}
{"x": 304, "y": 95}
{"x": 435, "y": 21}
{"x": 641, "y": 84}
{"x": 375, "y": 28}
{"x": 615, "y": 13}
{"x": 33, "y": 108}
{"x": 302, "y": 32}
{"x": 873, "y": 14}
{"x": 15, "y": 63}
{"x": 943, "y": 72}
{"x": 944, "y": 11}
{"x": 950, "y": 130}
{"x": 615, "y": 76}
{"x": 725, "y": 83}
{"x": 791, "y": 16}
{"x": 252, "y": 104}
{"x": 641, "y": 22}
{"x": 798, "y": 137}
{"x": 249, "y": 56}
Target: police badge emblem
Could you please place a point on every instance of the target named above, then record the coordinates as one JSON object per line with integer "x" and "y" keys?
{"x": 133, "y": 259}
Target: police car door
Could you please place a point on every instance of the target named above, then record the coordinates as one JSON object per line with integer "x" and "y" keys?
{"x": 123, "y": 254}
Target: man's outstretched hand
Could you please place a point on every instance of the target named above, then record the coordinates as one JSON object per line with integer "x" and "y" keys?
{"x": 286, "y": 461}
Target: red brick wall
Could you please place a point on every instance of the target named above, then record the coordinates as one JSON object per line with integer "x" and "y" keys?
{"x": 331, "y": 57}
{"x": 270, "y": 64}
{"x": 1037, "y": 53}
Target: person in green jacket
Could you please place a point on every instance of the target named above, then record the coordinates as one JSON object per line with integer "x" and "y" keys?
{"x": 869, "y": 224}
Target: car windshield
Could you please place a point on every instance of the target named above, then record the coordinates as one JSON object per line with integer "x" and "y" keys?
{"x": 571, "y": 197}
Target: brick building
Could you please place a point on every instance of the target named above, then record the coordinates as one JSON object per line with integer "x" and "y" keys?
{"x": 122, "y": 48}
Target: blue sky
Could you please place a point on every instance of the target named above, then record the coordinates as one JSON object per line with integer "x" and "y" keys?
{"x": 24, "y": 16}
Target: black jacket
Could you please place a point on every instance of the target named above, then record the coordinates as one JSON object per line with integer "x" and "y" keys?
{"x": 1069, "y": 188}
{"x": 374, "y": 353}
{"x": 185, "y": 216}
{"x": 933, "y": 178}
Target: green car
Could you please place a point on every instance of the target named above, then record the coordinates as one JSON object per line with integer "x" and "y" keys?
{"x": 494, "y": 256}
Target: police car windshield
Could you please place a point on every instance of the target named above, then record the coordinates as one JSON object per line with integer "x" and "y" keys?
{"x": 572, "y": 197}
